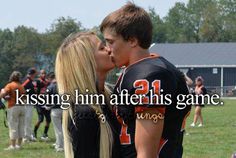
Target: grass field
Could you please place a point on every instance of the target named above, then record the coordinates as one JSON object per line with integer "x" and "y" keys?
{"x": 217, "y": 139}
{"x": 39, "y": 149}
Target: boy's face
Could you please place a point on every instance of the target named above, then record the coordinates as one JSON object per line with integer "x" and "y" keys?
{"x": 119, "y": 48}
{"x": 43, "y": 74}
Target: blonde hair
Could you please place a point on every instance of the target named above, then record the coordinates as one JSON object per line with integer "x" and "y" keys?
{"x": 76, "y": 69}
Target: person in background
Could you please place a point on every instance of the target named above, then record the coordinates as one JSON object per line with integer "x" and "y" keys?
{"x": 180, "y": 148}
{"x": 42, "y": 84}
{"x": 16, "y": 112}
{"x": 2, "y": 105}
{"x": 31, "y": 88}
{"x": 199, "y": 89}
{"x": 56, "y": 114}
{"x": 189, "y": 81}
{"x": 233, "y": 155}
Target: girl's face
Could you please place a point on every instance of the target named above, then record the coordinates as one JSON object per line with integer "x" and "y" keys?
{"x": 102, "y": 57}
{"x": 198, "y": 82}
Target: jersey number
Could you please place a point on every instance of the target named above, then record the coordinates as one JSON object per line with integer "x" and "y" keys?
{"x": 142, "y": 87}
{"x": 124, "y": 136}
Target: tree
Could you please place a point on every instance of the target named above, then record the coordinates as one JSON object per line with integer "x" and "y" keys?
{"x": 159, "y": 30}
{"x": 228, "y": 13}
{"x": 6, "y": 45}
{"x": 176, "y": 22}
{"x": 59, "y": 30}
{"x": 202, "y": 20}
{"x": 211, "y": 28}
{"x": 52, "y": 39}
{"x": 17, "y": 51}
{"x": 27, "y": 44}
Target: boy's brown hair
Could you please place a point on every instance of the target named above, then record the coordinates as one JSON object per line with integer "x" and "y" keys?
{"x": 130, "y": 21}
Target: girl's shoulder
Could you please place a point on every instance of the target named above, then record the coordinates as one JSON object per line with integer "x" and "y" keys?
{"x": 84, "y": 112}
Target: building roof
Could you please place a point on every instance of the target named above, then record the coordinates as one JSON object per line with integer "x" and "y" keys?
{"x": 198, "y": 54}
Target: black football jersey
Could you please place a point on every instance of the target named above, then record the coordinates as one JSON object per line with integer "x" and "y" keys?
{"x": 154, "y": 74}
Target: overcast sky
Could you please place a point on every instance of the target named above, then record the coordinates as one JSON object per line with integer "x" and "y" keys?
{"x": 40, "y": 14}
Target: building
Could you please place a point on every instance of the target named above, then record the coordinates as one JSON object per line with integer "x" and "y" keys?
{"x": 215, "y": 62}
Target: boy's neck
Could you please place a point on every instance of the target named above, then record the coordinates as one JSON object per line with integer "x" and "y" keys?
{"x": 138, "y": 55}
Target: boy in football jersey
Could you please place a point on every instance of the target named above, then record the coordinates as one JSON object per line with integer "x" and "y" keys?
{"x": 128, "y": 34}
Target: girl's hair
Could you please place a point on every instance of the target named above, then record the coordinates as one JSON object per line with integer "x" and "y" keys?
{"x": 76, "y": 69}
{"x": 15, "y": 76}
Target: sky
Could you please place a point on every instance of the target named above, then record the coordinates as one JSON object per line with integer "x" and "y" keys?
{"x": 40, "y": 14}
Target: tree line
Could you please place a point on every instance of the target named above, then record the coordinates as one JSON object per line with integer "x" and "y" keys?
{"x": 196, "y": 21}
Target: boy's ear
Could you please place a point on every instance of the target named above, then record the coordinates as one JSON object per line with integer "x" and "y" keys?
{"x": 133, "y": 42}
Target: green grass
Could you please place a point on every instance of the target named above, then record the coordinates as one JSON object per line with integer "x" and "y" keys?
{"x": 218, "y": 136}
{"x": 39, "y": 149}
{"x": 216, "y": 139}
